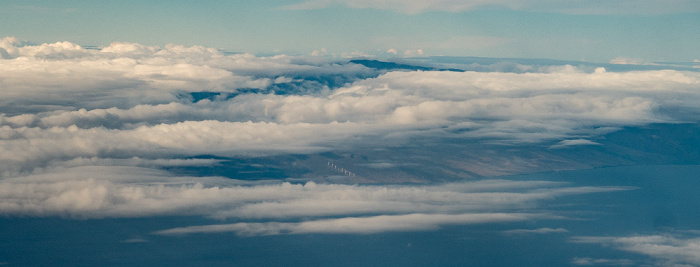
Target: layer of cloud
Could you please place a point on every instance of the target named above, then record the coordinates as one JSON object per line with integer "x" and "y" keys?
{"x": 355, "y": 225}
{"x": 603, "y": 262}
{"x": 87, "y": 133}
{"x": 62, "y": 102}
{"x": 570, "y": 7}
{"x": 668, "y": 250}
{"x": 121, "y": 191}
{"x": 535, "y": 231}
{"x": 574, "y": 142}
{"x": 25, "y": 149}
{"x": 128, "y": 74}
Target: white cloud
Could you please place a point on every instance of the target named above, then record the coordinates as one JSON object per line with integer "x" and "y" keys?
{"x": 58, "y": 50}
{"x": 574, "y": 142}
{"x": 84, "y": 133}
{"x": 131, "y": 50}
{"x": 127, "y": 191}
{"x": 413, "y": 52}
{"x": 628, "y": 61}
{"x": 136, "y": 161}
{"x": 29, "y": 148}
{"x": 127, "y": 74}
{"x": 9, "y": 47}
{"x": 354, "y": 225}
{"x": 535, "y": 231}
{"x": 605, "y": 262}
{"x": 381, "y": 165}
{"x": 126, "y": 101}
{"x": 669, "y": 250}
{"x": 321, "y": 52}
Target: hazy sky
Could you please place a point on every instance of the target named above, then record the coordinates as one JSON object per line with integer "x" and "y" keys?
{"x": 591, "y": 30}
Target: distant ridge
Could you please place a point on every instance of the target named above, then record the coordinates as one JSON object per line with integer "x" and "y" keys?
{"x": 383, "y": 65}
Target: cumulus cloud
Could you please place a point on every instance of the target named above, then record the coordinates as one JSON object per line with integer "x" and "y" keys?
{"x": 128, "y": 74}
{"x": 413, "y": 52}
{"x": 130, "y": 50}
{"x": 668, "y": 250}
{"x": 9, "y": 47}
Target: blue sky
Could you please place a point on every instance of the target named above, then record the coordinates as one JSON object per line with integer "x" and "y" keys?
{"x": 588, "y": 30}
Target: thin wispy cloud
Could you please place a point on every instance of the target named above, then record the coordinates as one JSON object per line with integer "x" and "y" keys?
{"x": 535, "y": 231}
{"x": 574, "y": 142}
{"x": 354, "y": 225}
{"x": 668, "y": 250}
{"x": 602, "y": 262}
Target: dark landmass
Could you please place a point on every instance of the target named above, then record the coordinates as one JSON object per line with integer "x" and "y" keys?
{"x": 382, "y": 65}
{"x": 442, "y": 160}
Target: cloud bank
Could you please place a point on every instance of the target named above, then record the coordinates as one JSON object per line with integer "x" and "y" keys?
{"x": 535, "y": 231}
{"x": 667, "y": 250}
{"x": 363, "y": 225}
{"x": 62, "y": 102}
{"x": 121, "y": 191}
{"x": 90, "y": 133}
{"x": 273, "y": 208}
